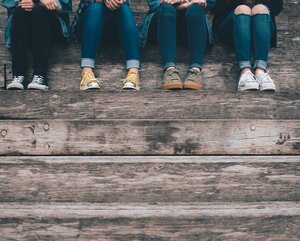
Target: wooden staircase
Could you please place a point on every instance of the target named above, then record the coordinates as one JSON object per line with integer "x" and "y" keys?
{"x": 153, "y": 165}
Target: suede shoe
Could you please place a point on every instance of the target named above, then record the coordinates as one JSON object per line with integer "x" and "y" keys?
{"x": 194, "y": 80}
{"x": 172, "y": 80}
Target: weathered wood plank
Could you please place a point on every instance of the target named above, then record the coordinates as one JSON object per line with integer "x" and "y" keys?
{"x": 148, "y": 105}
{"x": 150, "y": 179}
{"x": 179, "y": 137}
{"x": 201, "y": 221}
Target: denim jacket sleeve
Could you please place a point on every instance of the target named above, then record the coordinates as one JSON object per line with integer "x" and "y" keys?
{"x": 9, "y": 4}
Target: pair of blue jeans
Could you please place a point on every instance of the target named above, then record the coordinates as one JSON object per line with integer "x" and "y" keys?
{"x": 248, "y": 34}
{"x": 188, "y": 26}
{"x": 96, "y": 18}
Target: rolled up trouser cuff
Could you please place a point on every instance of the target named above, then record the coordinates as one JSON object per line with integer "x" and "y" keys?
{"x": 244, "y": 64}
{"x": 169, "y": 64}
{"x": 132, "y": 63}
{"x": 262, "y": 64}
{"x": 196, "y": 65}
{"x": 87, "y": 62}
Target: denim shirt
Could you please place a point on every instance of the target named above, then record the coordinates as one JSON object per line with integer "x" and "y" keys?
{"x": 62, "y": 15}
{"x": 153, "y": 6}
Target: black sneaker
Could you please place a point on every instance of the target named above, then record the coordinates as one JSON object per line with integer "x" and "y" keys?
{"x": 17, "y": 83}
{"x": 38, "y": 83}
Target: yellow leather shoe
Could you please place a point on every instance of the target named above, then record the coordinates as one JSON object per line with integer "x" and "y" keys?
{"x": 89, "y": 81}
{"x": 132, "y": 81}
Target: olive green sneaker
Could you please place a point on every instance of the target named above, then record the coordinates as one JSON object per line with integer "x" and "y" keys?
{"x": 172, "y": 80}
{"x": 194, "y": 80}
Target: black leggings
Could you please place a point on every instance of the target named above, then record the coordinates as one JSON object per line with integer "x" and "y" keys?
{"x": 36, "y": 29}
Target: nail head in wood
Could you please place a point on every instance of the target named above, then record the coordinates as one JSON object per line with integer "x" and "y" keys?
{"x": 3, "y": 133}
{"x": 46, "y": 127}
{"x": 46, "y": 146}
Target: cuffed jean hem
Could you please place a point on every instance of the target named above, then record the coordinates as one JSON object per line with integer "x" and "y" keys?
{"x": 196, "y": 65}
{"x": 262, "y": 64}
{"x": 244, "y": 64}
{"x": 169, "y": 64}
{"x": 132, "y": 63}
{"x": 87, "y": 62}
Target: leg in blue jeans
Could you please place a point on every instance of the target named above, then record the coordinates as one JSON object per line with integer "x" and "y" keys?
{"x": 242, "y": 39}
{"x": 196, "y": 34}
{"x": 93, "y": 28}
{"x": 262, "y": 33}
{"x": 128, "y": 35}
{"x": 166, "y": 34}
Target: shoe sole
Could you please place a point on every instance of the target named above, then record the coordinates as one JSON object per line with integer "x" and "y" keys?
{"x": 270, "y": 87}
{"x": 173, "y": 86}
{"x": 33, "y": 86}
{"x": 94, "y": 87}
{"x": 193, "y": 86}
{"x": 131, "y": 87}
{"x": 15, "y": 86}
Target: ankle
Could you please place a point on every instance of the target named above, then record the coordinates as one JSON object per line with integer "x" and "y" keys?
{"x": 245, "y": 70}
{"x": 259, "y": 71}
{"x": 133, "y": 70}
{"x": 170, "y": 68}
{"x": 196, "y": 68}
{"x": 86, "y": 70}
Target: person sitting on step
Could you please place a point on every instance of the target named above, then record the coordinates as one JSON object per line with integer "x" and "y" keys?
{"x": 249, "y": 26}
{"x": 34, "y": 24}
{"x": 96, "y": 19}
{"x": 184, "y": 20}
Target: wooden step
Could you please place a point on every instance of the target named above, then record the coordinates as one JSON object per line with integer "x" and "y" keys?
{"x": 148, "y": 179}
{"x": 192, "y": 221}
{"x": 150, "y": 105}
{"x": 150, "y": 137}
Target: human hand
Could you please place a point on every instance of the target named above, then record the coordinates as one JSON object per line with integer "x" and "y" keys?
{"x": 49, "y": 4}
{"x": 172, "y": 2}
{"x": 28, "y": 5}
{"x": 113, "y": 4}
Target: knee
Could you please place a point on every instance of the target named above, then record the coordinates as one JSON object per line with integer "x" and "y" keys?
{"x": 167, "y": 9}
{"x": 260, "y": 9}
{"x": 39, "y": 9}
{"x": 195, "y": 10}
{"x": 242, "y": 9}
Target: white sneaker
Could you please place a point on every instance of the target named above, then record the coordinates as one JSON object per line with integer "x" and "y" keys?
{"x": 265, "y": 82}
{"x": 17, "y": 83}
{"x": 247, "y": 81}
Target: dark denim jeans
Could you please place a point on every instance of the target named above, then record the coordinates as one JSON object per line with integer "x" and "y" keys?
{"x": 95, "y": 19}
{"x": 188, "y": 25}
{"x": 248, "y": 34}
{"x": 36, "y": 29}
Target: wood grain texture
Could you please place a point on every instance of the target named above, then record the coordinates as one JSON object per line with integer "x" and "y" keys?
{"x": 150, "y": 179}
{"x": 200, "y": 221}
{"x": 148, "y": 105}
{"x": 178, "y": 137}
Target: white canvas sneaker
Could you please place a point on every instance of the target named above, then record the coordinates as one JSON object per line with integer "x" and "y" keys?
{"x": 265, "y": 82}
{"x": 248, "y": 81}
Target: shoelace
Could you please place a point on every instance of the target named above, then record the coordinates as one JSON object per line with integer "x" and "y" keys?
{"x": 131, "y": 77}
{"x": 252, "y": 77}
{"x": 266, "y": 78}
{"x": 39, "y": 79}
{"x": 18, "y": 79}
{"x": 173, "y": 74}
{"x": 89, "y": 77}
